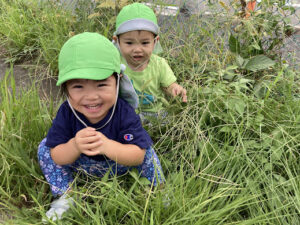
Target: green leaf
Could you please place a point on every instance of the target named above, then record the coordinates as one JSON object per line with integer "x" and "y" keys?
{"x": 229, "y": 77}
{"x": 134, "y": 173}
{"x": 276, "y": 154}
{"x": 240, "y": 106}
{"x": 151, "y": 218}
{"x": 105, "y": 177}
{"x": 259, "y": 62}
{"x": 230, "y": 68}
{"x": 141, "y": 180}
{"x": 226, "y": 129}
{"x": 237, "y": 105}
{"x": 256, "y": 46}
{"x": 260, "y": 89}
{"x": 245, "y": 63}
{"x": 268, "y": 167}
{"x": 229, "y": 73}
{"x": 234, "y": 45}
{"x": 144, "y": 181}
{"x": 245, "y": 81}
{"x": 239, "y": 60}
{"x": 252, "y": 144}
{"x": 259, "y": 118}
{"x": 279, "y": 178}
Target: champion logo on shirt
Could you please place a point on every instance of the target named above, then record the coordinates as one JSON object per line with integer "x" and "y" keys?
{"x": 128, "y": 137}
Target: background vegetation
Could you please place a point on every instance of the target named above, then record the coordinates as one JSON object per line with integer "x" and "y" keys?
{"x": 230, "y": 155}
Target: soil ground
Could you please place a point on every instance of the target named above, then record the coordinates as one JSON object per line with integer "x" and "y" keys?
{"x": 26, "y": 74}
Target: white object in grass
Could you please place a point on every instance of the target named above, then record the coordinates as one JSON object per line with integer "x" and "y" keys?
{"x": 58, "y": 207}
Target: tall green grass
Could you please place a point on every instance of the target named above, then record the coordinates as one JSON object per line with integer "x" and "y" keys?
{"x": 24, "y": 122}
{"x": 230, "y": 155}
{"x": 221, "y": 167}
{"x": 38, "y": 29}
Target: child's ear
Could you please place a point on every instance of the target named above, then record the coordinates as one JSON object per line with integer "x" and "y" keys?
{"x": 157, "y": 38}
{"x": 115, "y": 38}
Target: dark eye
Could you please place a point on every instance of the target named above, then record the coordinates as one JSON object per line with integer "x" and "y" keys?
{"x": 77, "y": 86}
{"x": 128, "y": 42}
{"x": 146, "y": 42}
{"x": 101, "y": 85}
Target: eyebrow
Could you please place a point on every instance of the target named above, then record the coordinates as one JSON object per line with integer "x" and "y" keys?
{"x": 128, "y": 38}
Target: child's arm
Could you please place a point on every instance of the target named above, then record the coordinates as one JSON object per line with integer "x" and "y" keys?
{"x": 175, "y": 89}
{"x": 91, "y": 142}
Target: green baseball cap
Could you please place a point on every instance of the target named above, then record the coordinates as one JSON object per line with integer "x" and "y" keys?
{"x": 136, "y": 16}
{"x": 87, "y": 56}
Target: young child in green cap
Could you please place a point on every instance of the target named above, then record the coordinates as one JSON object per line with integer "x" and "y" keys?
{"x": 95, "y": 130}
{"x": 136, "y": 37}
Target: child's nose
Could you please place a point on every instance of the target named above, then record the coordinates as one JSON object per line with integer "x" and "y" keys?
{"x": 138, "y": 48}
{"x": 91, "y": 94}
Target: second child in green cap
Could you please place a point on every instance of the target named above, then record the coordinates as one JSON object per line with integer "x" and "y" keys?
{"x": 137, "y": 38}
{"x": 95, "y": 130}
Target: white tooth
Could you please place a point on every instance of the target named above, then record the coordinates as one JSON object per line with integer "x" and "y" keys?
{"x": 92, "y": 106}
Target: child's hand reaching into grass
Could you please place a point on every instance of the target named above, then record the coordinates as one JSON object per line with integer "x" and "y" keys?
{"x": 175, "y": 90}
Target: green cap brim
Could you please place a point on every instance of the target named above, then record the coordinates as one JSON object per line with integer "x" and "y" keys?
{"x": 86, "y": 73}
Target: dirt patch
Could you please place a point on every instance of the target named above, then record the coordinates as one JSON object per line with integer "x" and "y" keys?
{"x": 27, "y": 74}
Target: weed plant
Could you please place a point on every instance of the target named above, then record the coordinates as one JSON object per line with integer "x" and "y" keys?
{"x": 230, "y": 155}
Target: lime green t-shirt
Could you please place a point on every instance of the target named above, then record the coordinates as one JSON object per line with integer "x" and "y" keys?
{"x": 149, "y": 82}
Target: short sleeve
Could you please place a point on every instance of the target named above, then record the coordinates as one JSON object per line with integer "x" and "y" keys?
{"x": 131, "y": 131}
{"x": 60, "y": 131}
{"x": 167, "y": 75}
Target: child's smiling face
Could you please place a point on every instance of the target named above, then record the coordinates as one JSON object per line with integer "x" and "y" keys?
{"x": 136, "y": 47}
{"x": 92, "y": 98}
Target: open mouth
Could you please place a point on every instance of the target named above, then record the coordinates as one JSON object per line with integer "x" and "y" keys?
{"x": 138, "y": 58}
{"x": 93, "y": 107}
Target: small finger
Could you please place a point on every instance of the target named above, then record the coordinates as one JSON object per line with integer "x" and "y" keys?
{"x": 90, "y": 128}
{"x": 94, "y": 144}
{"x": 184, "y": 96}
{"x": 90, "y": 133}
{"x": 90, "y": 139}
{"x": 175, "y": 92}
{"x": 90, "y": 153}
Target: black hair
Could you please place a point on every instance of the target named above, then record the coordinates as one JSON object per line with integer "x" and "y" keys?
{"x": 63, "y": 89}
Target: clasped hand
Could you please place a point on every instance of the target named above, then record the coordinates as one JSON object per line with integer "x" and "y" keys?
{"x": 91, "y": 142}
